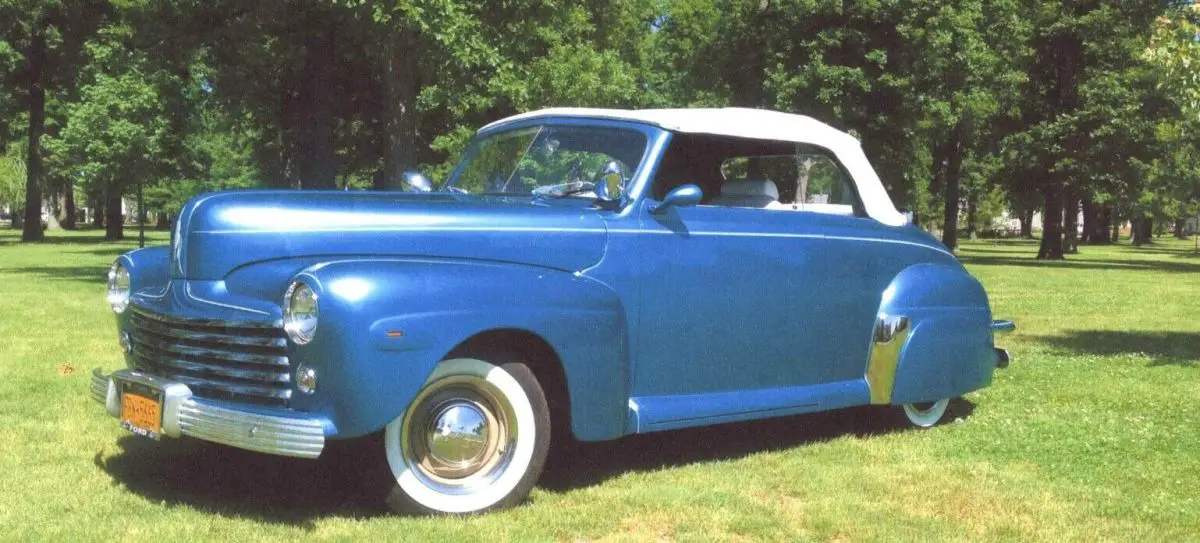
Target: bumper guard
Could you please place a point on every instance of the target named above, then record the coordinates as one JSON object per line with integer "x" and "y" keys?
{"x": 185, "y": 415}
{"x": 1002, "y": 327}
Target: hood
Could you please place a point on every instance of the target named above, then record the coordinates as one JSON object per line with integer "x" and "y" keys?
{"x": 218, "y": 233}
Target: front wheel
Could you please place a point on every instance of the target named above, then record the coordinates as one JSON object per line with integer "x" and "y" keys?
{"x": 475, "y": 438}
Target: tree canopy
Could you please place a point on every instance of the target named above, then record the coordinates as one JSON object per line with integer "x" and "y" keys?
{"x": 966, "y": 107}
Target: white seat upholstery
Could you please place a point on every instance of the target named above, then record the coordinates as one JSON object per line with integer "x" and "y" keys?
{"x": 747, "y": 193}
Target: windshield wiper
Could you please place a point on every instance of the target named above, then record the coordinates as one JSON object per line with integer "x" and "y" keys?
{"x": 564, "y": 189}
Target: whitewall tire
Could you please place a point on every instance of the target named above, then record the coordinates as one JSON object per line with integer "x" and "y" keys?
{"x": 475, "y": 438}
{"x": 925, "y": 414}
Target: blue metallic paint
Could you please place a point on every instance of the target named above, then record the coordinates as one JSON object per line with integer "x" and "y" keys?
{"x": 949, "y": 351}
{"x": 437, "y": 304}
{"x": 694, "y": 316}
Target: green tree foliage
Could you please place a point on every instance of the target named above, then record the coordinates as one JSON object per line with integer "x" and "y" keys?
{"x": 1174, "y": 59}
{"x": 12, "y": 179}
{"x": 964, "y": 106}
{"x": 41, "y": 43}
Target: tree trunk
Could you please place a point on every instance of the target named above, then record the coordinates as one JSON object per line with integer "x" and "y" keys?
{"x": 1101, "y": 235}
{"x": 1143, "y": 229}
{"x": 1071, "y": 222}
{"x": 163, "y": 222}
{"x": 1179, "y": 234}
{"x": 953, "y": 177}
{"x": 972, "y": 215}
{"x": 1051, "y": 247}
{"x": 115, "y": 227}
{"x": 32, "y": 230}
{"x": 1115, "y": 235}
{"x": 803, "y": 174}
{"x": 316, "y": 160}
{"x": 98, "y": 212}
{"x": 401, "y": 84}
{"x": 916, "y": 203}
{"x": 70, "y": 213}
{"x": 18, "y": 218}
{"x": 1091, "y": 216}
{"x": 1026, "y": 219}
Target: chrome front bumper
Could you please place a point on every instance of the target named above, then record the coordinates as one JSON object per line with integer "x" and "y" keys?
{"x": 186, "y": 415}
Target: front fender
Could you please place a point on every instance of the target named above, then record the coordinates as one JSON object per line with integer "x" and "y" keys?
{"x": 385, "y": 324}
{"x": 947, "y": 350}
{"x": 149, "y": 269}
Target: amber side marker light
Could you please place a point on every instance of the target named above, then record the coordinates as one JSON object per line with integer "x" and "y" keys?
{"x": 395, "y": 333}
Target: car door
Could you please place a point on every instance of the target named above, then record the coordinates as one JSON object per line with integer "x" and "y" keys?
{"x": 743, "y": 299}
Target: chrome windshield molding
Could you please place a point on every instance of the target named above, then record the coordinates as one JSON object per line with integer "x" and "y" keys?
{"x": 1003, "y": 326}
{"x": 891, "y": 333}
{"x": 213, "y": 323}
{"x": 186, "y": 415}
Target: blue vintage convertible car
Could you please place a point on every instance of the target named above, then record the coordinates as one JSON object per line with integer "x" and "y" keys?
{"x": 593, "y": 272}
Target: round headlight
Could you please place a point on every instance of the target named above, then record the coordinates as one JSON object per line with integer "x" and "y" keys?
{"x": 300, "y": 313}
{"x": 118, "y": 287}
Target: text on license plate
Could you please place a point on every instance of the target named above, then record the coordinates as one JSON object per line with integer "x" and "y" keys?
{"x": 141, "y": 415}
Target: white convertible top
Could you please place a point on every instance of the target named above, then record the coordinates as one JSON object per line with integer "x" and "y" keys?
{"x": 754, "y": 124}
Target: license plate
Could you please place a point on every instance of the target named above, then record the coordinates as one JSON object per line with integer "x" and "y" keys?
{"x": 141, "y": 411}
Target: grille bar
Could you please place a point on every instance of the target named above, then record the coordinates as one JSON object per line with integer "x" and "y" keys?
{"x": 168, "y": 332}
{"x": 219, "y": 355}
{"x": 199, "y": 369}
{"x": 216, "y": 359}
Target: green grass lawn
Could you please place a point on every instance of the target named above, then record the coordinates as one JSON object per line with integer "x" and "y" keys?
{"x": 1092, "y": 433}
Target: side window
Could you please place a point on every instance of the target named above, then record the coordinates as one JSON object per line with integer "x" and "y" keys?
{"x": 823, "y": 187}
{"x": 797, "y": 182}
{"x": 762, "y": 174}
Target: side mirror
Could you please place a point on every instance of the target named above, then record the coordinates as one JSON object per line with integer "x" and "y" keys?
{"x": 416, "y": 181}
{"x": 610, "y": 183}
{"x": 681, "y": 196}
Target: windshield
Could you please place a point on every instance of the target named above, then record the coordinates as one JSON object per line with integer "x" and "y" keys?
{"x": 547, "y": 160}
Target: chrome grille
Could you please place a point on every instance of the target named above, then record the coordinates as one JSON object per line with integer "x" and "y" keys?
{"x": 220, "y": 360}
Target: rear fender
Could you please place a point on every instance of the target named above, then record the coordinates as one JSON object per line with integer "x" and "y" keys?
{"x": 945, "y": 350}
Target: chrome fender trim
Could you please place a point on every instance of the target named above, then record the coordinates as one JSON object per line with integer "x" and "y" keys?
{"x": 891, "y": 332}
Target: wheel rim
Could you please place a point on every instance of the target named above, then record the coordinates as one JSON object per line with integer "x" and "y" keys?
{"x": 459, "y": 434}
{"x": 926, "y": 414}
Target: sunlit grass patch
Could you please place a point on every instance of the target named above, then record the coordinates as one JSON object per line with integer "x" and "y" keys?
{"x": 1092, "y": 433}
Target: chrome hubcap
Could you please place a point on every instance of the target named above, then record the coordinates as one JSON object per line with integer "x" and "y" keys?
{"x": 459, "y": 433}
{"x": 457, "y": 438}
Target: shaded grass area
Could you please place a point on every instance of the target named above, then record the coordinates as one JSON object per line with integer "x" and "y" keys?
{"x": 1092, "y": 433}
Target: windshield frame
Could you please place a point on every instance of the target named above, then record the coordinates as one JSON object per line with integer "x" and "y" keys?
{"x": 655, "y": 140}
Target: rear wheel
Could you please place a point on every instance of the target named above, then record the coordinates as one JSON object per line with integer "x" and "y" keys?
{"x": 925, "y": 414}
{"x": 475, "y": 438}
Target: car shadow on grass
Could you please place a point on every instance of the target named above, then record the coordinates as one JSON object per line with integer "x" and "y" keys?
{"x": 83, "y": 274}
{"x": 579, "y": 465}
{"x": 1161, "y": 348}
{"x": 242, "y": 484}
{"x": 346, "y": 480}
